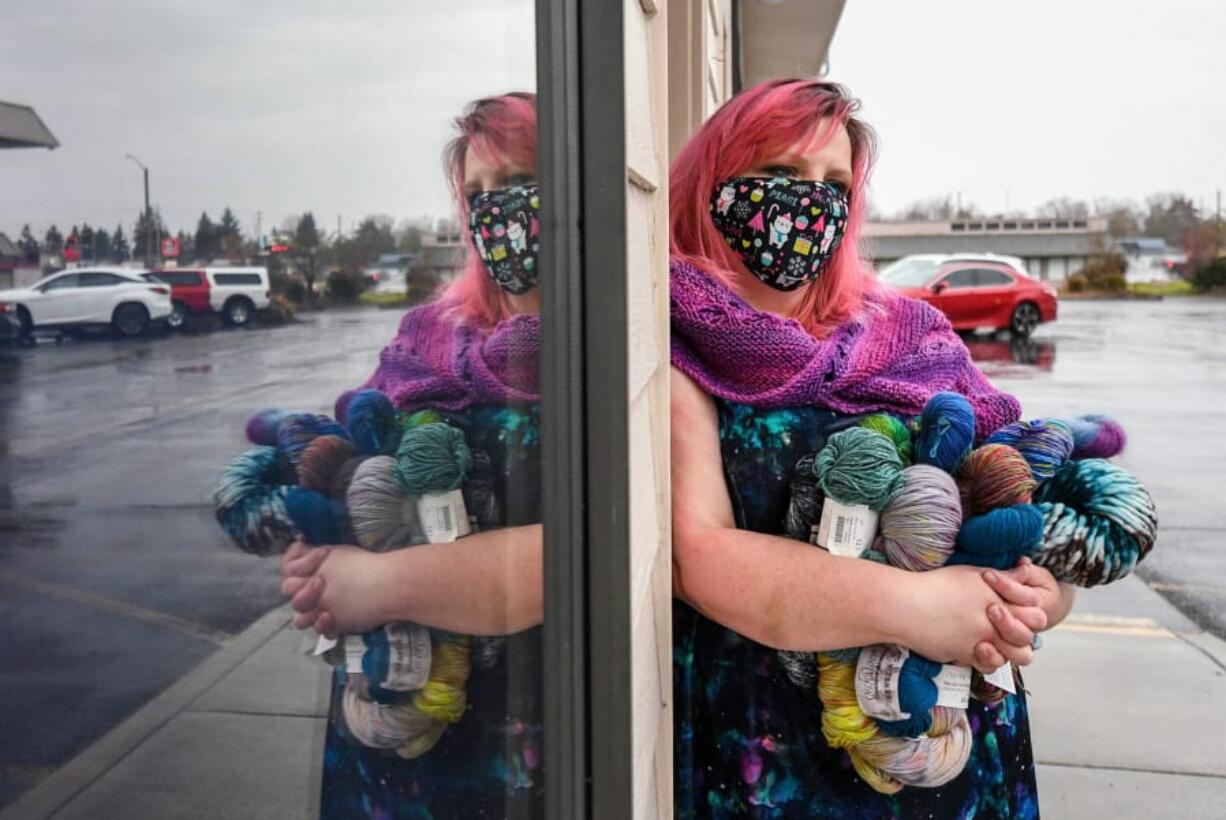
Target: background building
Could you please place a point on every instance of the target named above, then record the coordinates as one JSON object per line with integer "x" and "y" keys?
{"x": 1051, "y": 248}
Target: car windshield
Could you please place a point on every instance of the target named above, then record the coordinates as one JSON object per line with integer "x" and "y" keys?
{"x": 908, "y": 272}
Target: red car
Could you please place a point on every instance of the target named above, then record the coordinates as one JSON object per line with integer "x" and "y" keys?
{"x": 975, "y": 291}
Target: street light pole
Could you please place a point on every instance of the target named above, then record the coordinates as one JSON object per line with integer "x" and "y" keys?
{"x": 149, "y": 241}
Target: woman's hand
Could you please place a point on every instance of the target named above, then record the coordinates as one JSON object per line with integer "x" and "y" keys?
{"x": 333, "y": 589}
{"x": 1028, "y": 584}
{"x": 959, "y": 618}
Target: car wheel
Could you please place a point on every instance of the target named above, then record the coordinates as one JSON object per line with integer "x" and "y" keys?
{"x": 177, "y": 317}
{"x": 1025, "y": 319}
{"x": 237, "y": 312}
{"x": 26, "y": 322}
{"x": 130, "y": 319}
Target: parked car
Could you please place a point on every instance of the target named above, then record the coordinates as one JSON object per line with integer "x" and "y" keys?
{"x": 975, "y": 291}
{"x": 235, "y": 293}
{"x": 98, "y": 297}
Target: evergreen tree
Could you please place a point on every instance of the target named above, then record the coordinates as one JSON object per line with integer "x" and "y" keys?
{"x": 148, "y": 235}
{"x": 208, "y": 238}
{"x": 187, "y": 247}
{"x": 53, "y": 241}
{"x": 229, "y": 224}
{"x": 306, "y": 235}
{"x": 120, "y": 252}
{"x": 102, "y": 245}
{"x": 28, "y": 244}
{"x": 89, "y": 252}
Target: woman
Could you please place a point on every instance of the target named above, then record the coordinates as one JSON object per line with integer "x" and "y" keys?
{"x": 471, "y": 356}
{"x": 780, "y": 338}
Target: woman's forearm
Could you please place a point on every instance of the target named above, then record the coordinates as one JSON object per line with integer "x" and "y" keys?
{"x": 787, "y": 594}
{"x": 487, "y": 583}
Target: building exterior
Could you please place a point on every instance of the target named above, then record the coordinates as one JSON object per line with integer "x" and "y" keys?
{"x": 21, "y": 127}
{"x": 1052, "y": 249}
{"x": 1150, "y": 259}
{"x": 441, "y": 255}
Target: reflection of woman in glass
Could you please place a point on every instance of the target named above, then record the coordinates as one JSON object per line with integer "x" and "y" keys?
{"x": 775, "y": 346}
{"x": 471, "y": 357}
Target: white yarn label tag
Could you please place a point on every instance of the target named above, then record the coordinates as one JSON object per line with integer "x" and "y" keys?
{"x": 355, "y": 648}
{"x": 443, "y": 517}
{"x": 878, "y": 670}
{"x": 1002, "y": 678}
{"x": 954, "y": 686}
{"x": 410, "y": 657}
{"x": 846, "y": 530}
{"x": 322, "y": 645}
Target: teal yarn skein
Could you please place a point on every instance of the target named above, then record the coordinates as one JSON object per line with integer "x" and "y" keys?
{"x": 999, "y": 538}
{"x": 433, "y": 458}
{"x": 249, "y": 502}
{"x": 946, "y": 431}
{"x": 917, "y": 695}
{"x": 859, "y": 466}
{"x": 1100, "y": 522}
{"x": 320, "y": 519}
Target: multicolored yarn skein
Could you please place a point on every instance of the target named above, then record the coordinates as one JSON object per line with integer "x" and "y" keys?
{"x": 1091, "y": 525}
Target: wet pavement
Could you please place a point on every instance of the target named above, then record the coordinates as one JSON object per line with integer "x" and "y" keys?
{"x": 115, "y": 580}
{"x": 1159, "y": 367}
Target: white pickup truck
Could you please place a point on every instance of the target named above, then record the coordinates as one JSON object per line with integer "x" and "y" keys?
{"x": 235, "y": 293}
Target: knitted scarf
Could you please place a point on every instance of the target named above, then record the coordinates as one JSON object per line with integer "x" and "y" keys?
{"x": 893, "y": 356}
{"x": 435, "y": 361}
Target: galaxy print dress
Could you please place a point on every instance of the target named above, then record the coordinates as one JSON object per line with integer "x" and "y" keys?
{"x": 748, "y": 741}
{"x": 488, "y": 765}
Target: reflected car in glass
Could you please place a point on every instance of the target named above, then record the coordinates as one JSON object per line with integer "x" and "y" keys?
{"x": 235, "y": 293}
{"x": 975, "y": 292}
{"x": 89, "y": 297}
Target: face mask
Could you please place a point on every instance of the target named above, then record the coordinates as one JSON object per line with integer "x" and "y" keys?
{"x": 505, "y": 230}
{"x": 784, "y": 230}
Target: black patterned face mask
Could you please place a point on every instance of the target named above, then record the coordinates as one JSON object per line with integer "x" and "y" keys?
{"x": 784, "y": 230}
{"x": 505, "y": 231}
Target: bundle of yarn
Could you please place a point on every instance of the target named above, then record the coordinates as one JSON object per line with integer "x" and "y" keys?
{"x": 1041, "y": 489}
{"x": 383, "y": 480}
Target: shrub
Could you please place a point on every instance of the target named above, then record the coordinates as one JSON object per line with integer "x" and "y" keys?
{"x": 346, "y": 286}
{"x": 1104, "y": 272}
{"x": 290, "y": 287}
{"x": 1211, "y": 275}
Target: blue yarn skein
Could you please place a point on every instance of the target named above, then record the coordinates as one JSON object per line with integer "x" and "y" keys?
{"x": 946, "y": 431}
{"x": 375, "y": 662}
{"x": 371, "y": 421}
{"x": 1000, "y": 537}
{"x": 262, "y": 426}
{"x": 1044, "y": 443}
{"x": 320, "y": 519}
{"x": 297, "y": 430}
{"x": 917, "y": 695}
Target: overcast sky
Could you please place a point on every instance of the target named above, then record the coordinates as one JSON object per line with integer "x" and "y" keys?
{"x": 283, "y": 106}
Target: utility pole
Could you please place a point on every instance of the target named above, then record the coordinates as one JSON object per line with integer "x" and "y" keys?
{"x": 259, "y": 237}
{"x": 149, "y": 238}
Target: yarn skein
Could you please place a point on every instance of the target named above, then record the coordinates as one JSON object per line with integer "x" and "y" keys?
{"x": 804, "y": 502}
{"x": 999, "y": 538}
{"x": 249, "y": 502}
{"x": 992, "y": 476}
{"x": 321, "y": 460}
{"x": 383, "y": 514}
{"x": 433, "y": 458}
{"x": 371, "y": 421}
{"x": 892, "y": 428}
{"x": 1044, "y": 443}
{"x": 859, "y": 466}
{"x": 946, "y": 431}
{"x": 918, "y": 529}
{"x": 1099, "y": 522}
{"x": 320, "y": 519}
{"x": 297, "y": 430}
{"x": 262, "y": 426}
{"x": 1096, "y": 436}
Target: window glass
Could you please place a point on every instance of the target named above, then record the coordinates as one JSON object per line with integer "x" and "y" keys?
{"x": 159, "y": 458}
{"x": 990, "y": 277}
{"x": 961, "y": 278}
{"x": 909, "y": 272}
{"x": 68, "y": 280}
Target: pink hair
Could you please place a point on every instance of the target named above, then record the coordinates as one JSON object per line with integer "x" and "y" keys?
{"x": 748, "y": 129}
{"x": 499, "y": 129}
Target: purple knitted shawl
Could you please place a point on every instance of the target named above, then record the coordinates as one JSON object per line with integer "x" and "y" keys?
{"x": 436, "y": 361}
{"x": 893, "y": 356}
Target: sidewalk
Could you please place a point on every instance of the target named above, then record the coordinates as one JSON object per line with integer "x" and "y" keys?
{"x": 1128, "y": 702}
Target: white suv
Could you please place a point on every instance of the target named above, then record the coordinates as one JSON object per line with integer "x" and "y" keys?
{"x": 114, "y": 297}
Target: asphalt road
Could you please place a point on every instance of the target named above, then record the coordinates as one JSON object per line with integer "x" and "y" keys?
{"x": 115, "y": 579}
{"x": 1160, "y": 369}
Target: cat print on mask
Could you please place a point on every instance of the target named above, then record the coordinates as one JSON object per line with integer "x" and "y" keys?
{"x": 505, "y": 231}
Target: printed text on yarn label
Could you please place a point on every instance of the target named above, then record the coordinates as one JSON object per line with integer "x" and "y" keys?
{"x": 954, "y": 686}
{"x": 409, "y": 657}
{"x": 846, "y": 530}
{"x": 1002, "y": 678}
{"x": 443, "y": 517}
{"x": 878, "y": 670}
{"x": 355, "y": 648}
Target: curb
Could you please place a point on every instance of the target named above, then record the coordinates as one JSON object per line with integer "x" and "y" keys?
{"x": 66, "y": 782}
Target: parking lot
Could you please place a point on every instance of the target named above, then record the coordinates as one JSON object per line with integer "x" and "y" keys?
{"x": 114, "y": 577}
{"x": 115, "y": 580}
